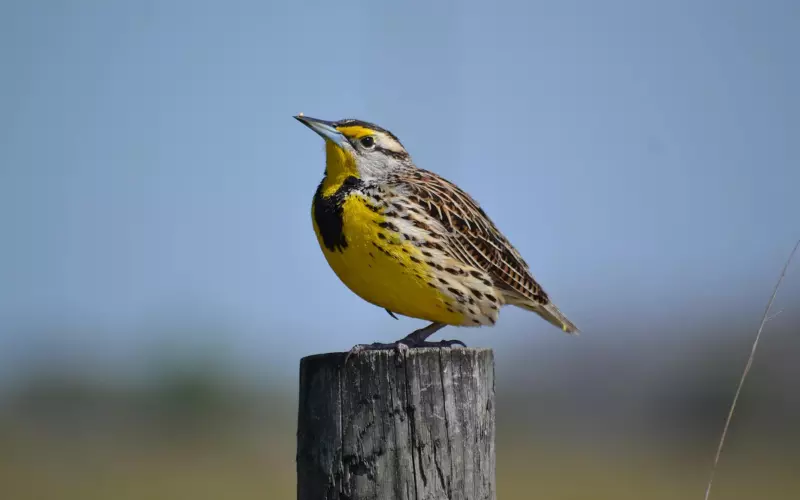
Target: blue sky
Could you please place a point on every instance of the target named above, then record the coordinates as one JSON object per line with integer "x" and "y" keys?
{"x": 643, "y": 156}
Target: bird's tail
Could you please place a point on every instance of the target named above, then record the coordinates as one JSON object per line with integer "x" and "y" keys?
{"x": 550, "y": 313}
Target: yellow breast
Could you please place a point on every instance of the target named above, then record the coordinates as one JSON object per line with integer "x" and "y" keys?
{"x": 380, "y": 266}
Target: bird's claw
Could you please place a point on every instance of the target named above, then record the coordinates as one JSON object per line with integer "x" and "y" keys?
{"x": 400, "y": 347}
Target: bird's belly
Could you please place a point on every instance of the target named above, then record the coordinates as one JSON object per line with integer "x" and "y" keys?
{"x": 382, "y": 268}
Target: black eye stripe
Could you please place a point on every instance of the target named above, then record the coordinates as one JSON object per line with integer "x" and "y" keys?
{"x": 394, "y": 154}
{"x": 400, "y": 155}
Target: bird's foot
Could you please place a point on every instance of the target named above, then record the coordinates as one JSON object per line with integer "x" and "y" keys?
{"x": 402, "y": 346}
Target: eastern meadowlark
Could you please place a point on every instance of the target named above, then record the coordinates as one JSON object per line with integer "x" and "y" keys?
{"x": 411, "y": 242}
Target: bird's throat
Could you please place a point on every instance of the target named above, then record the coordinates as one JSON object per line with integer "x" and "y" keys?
{"x": 339, "y": 165}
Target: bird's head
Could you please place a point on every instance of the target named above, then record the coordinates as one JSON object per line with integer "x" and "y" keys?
{"x": 357, "y": 148}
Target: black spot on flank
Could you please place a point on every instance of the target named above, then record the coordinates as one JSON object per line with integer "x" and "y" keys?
{"x": 405, "y": 250}
{"x": 491, "y": 320}
{"x": 452, "y": 271}
{"x": 397, "y": 206}
{"x": 381, "y": 236}
{"x": 432, "y": 244}
{"x": 476, "y": 293}
{"x": 471, "y": 301}
{"x": 328, "y": 213}
{"x": 491, "y": 298}
{"x": 476, "y": 274}
{"x": 443, "y": 281}
{"x": 455, "y": 291}
{"x": 406, "y": 236}
{"x": 383, "y": 250}
{"x": 427, "y": 253}
{"x": 472, "y": 312}
{"x": 450, "y": 310}
{"x": 487, "y": 282}
{"x": 371, "y": 255}
{"x": 415, "y": 260}
{"x": 421, "y": 225}
{"x": 389, "y": 226}
{"x": 493, "y": 308}
{"x": 477, "y": 322}
{"x": 431, "y": 285}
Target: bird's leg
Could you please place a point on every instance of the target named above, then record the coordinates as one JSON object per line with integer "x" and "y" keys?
{"x": 415, "y": 339}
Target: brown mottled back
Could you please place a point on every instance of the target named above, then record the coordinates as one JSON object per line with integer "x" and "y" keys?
{"x": 476, "y": 239}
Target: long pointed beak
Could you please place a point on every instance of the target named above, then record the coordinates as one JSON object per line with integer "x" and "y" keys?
{"x": 324, "y": 128}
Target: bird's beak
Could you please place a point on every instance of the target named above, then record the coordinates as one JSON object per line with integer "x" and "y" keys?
{"x": 326, "y": 129}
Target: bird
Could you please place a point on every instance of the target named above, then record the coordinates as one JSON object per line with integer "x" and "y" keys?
{"x": 413, "y": 243}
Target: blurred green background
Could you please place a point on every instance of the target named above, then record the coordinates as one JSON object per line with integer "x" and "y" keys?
{"x": 576, "y": 418}
{"x": 160, "y": 280}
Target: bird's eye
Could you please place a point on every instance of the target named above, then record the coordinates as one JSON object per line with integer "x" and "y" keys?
{"x": 368, "y": 141}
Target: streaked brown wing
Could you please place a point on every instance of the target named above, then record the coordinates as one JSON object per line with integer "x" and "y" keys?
{"x": 475, "y": 238}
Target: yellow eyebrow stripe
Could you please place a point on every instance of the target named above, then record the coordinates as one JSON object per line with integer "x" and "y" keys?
{"x": 355, "y": 131}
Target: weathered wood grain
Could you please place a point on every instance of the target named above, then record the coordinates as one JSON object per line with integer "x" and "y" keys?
{"x": 419, "y": 426}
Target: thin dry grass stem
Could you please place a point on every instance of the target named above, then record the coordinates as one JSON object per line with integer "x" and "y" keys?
{"x": 764, "y": 321}
{"x": 774, "y": 316}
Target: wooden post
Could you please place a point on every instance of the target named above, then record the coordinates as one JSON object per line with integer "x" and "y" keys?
{"x": 406, "y": 427}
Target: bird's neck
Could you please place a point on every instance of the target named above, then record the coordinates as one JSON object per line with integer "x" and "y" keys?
{"x": 339, "y": 165}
